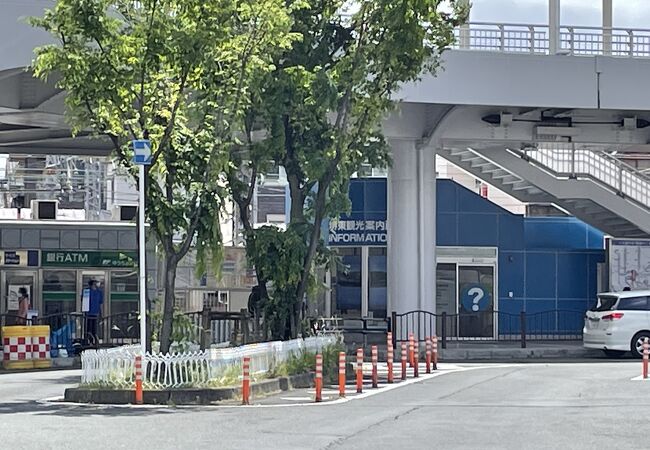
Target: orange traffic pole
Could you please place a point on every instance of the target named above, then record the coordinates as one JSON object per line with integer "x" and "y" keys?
{"x": 246, "y": 381}
{"x": 359, "y": 370}
{"x": 319, "y": 378}
{"x": 389, "y": 356}
{"x": 435, "y": 352}
{"x": 416, "y": 362}
{"x": 411, "y": 350}
{"x": 341, "y": 374}
{"x": 645, "y": 357}
{"x": 374, "y": 367}
{"x": 428, "y": 355}
{"x": 139, "y": 395}
{"x": 404, "y": 358}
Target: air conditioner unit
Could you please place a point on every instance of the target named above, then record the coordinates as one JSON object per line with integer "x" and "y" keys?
{"x": 125, "y": 213}
{"x": 44, "y": 209}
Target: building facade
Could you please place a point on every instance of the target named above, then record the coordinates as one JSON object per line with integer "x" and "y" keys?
{"x": 488, "y": 259}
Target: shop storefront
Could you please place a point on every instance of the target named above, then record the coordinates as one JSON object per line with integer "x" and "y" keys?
{"x": 55, "y": 279}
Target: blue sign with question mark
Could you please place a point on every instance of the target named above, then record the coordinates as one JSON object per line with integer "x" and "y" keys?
{"x": 475, "y": 298}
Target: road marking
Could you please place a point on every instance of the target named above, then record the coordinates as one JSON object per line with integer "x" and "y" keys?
{"x": 369, "y": 392}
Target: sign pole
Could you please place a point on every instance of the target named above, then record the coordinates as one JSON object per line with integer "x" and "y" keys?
{"x": 142, "y": 157}
{"x": 142, "y": 258}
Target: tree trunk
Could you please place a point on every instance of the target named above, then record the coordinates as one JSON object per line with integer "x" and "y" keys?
{"x": 171, "y": 263}
{"x": 314, "y": 238}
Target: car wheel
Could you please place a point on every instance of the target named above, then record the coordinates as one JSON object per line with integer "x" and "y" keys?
{"x": 614, "y": 353}
{"x": 636, "y": 346}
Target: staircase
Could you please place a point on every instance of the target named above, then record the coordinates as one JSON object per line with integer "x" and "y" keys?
{"x": 591, "y": 185}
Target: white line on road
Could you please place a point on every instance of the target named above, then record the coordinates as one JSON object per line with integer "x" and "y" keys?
{"x": 447, "y": 369}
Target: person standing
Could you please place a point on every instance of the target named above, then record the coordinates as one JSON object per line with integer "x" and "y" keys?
{"x": 94, "y": 311}
{"x": 23, "y": 306}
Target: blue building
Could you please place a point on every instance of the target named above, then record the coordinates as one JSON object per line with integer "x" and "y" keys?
{"x": 488, "y": 259}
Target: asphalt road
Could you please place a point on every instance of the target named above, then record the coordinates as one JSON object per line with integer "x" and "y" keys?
{"x": 559, "y": 405}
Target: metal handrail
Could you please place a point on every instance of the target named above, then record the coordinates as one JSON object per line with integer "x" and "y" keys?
{"x": 599, "y": 166}
{"x": 535, "y": 38}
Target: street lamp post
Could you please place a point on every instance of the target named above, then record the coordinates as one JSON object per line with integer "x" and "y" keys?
{"x": 142, "y": 158}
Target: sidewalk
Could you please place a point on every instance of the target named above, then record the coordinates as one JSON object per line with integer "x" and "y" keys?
{"x": 482, "y": 351}
{"x": 507, "y": 351}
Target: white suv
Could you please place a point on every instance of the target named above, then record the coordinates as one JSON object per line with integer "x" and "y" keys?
{"x": 618, "y": 323}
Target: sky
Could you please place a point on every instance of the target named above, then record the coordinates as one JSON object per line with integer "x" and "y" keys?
{"x": 627, "y": 13}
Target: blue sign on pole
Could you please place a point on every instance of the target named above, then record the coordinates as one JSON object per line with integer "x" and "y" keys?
{"x": 476, "y": 298}
{"x": 142, "y": 151}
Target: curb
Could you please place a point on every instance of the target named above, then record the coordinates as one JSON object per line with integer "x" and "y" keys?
{"x": 194, "y": 396}
{"x": 519, "y": 354}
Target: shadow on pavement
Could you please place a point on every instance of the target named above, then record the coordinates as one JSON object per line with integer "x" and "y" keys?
{"x": 83, "y": 411}
{"x": 70, "y": 379}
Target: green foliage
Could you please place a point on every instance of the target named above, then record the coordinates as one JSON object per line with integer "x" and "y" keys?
{"x": 184, "y": 332}
{"x": 322, "y": 107}
{"x": 179, "y": 72}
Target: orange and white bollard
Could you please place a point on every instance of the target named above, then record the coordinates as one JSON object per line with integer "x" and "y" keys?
{"x": 374, "y": 367}
{"x": 389, "y": 356}
{"x": 646, "y": 347}
{"x": 404, "y": 358}
{"x": 139, "y": 395}
{"x": 246, "y": 381}
{"x": 319, "y": 378}
{"x": 416, "y": 358}
{"x": 359, "y": 370}
{"x": 411, "y": 350}
{"x": 428, "y": 355}
{"x": 341, "y": 374}
{"x": 435, "y": 352}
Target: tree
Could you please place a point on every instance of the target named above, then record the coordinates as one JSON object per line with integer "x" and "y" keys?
{"x": 322, "y": 108}
{"x": 178, "y": 72}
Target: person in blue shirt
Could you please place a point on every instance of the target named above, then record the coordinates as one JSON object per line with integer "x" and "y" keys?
{"x": 94, "y": 311}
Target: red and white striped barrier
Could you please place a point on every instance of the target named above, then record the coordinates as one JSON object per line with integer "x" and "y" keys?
{"x": 389, "y": 356}
{"x": 359, "y": 370}
{"x": 435, "y": 352}
{"x": 246, "y": 381}
{"x": 139, "y": 394}
{"x": 411, "y": 350}
{"x": 319, "y": 378}
{"x": 404, "y": 358}
{"x": 646, "y": 349}
{"x": 428, "y": 355}
{"x": 341, "y": 374}
{"x": 17, "y": 348}
{"x": 374, "y": 367}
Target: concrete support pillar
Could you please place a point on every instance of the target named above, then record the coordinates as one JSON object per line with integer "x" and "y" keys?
{"x": 553, "y": 26}
{"x": 607, "y": 27}
{"x": 412, "y": 225}
{"x": 464, "y": 38}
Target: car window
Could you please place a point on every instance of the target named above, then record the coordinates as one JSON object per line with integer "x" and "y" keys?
{"x": 605, "y": 303}
{"x": 633, "y": 304}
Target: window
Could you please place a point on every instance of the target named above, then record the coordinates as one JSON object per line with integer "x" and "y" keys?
{"x": 124, "y": 281}
{"x": 377, "y": 282}
{"x": 347, "y": 282}
{"x": 59, "y": 291}
{"x": 605, "y": 303}
{"x": 633, "y": 304}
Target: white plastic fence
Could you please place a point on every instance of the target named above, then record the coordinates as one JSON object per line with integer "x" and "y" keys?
{"x": 116, "y": 367}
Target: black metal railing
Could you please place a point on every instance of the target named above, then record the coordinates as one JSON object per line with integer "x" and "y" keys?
{"x": 221, "y": 327}
{"x": 488, "y": 326}
{"x": 207, "y": 327}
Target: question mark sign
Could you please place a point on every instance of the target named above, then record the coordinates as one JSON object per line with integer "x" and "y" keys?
{"x": 478, "y": 294}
